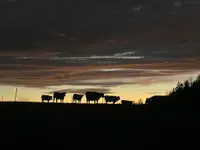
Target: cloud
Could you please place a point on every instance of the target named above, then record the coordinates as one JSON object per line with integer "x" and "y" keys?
{"x": 33, "y": 25}
{"x": 83, "y": 91}
{"x": 52, "y": 43}
{"x": 50, "y": 74}
{"x": 137, "y": 9}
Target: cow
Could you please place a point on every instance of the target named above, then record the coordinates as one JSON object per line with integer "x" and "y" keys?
{"x": 93, "y": 96}
{"x": 158, "y": 100}
{"x": 59, "y": 96}
{"x": 127, "y": 102}
{"x": 46, "y": 97}
{"x": 77, "y": 97}
{"x": 110, "y": 98}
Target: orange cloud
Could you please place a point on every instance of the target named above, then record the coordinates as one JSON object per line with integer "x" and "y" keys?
{"x": 47, "y": 75}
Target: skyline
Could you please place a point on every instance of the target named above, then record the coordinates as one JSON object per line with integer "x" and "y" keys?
{"x": 133, "y": 49}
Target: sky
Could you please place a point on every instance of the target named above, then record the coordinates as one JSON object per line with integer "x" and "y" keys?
{"x": 132, "y": 49}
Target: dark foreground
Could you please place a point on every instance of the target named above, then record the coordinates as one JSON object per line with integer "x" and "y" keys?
{"x": 74, "y": 124}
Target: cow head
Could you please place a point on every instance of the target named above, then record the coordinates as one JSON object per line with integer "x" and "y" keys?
{"x": 147, "y": 100}
{"x": 118, "y": 97}
{"x": 102, "y": 94}
{"x": 64, "y": 93}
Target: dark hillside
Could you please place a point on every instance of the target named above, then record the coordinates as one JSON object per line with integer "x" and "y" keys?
{"x": 94, "y": 123}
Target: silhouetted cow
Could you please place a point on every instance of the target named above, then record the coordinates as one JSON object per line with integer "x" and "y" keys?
{"x": 157, "y": 100}
{"x": 77, "y": 97}
{"x": 46, "y": 97}
{"x": 93, "y": 96}
{"x": 127, "y": 102}
{"x": 59, "y": 96}
{"x": 110, "y": 98}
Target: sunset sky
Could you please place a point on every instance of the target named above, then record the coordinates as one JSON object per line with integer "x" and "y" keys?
{"x": 131, "y": 48}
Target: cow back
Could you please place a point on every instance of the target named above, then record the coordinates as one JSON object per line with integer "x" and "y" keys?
{"x": 46, "y": 97}
{"x": 93, "y": 95}
{"x": 158, "y": 99}
{"x": 127, "y": 102}
{"x": 59, "y": 95}
{"x": 77, "y": 96}
{"x": 111, "y": 98}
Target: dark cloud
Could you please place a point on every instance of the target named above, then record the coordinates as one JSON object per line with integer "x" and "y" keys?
{"x": 95, "y": 76}
{"x": 73, "y": 26}
{"x": 83, "y": 91}
{"x": 73, "y": 42}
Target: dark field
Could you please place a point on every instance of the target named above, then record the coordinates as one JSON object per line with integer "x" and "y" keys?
{"x": 138, "y": 125}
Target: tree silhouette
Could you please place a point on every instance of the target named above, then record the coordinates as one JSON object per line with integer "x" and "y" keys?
{"x": 187, "y": 92}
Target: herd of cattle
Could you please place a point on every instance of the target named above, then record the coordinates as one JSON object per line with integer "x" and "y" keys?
{"x": 96, "y": 96}
{"x": 90, "y": 96}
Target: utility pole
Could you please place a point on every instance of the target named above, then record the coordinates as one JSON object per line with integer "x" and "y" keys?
{"x": 16, "y": 94}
